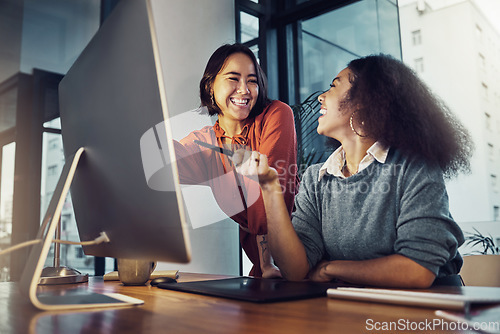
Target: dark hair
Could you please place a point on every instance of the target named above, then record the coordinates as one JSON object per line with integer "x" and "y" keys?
{"x": 216, "y": 63}
{"x": 399, "y": 110}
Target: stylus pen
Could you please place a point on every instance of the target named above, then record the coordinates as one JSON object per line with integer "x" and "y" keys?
{"x": 229, "y": 153}
{"x": 215, "y": 148}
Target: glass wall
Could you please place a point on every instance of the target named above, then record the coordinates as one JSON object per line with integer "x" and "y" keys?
{"x": 7, "y": 159}
{"x": 305, "y": 44}
{"x": 8, "y": 95}
{"x": 249, "y": 27}
{"x": 329, "y": 41}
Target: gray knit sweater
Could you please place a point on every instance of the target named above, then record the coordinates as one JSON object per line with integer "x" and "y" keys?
{"x": 399, "y": 207}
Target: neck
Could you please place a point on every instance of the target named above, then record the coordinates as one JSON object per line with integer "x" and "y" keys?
{"x": 231, "y": 128}
{"x": 355, "y": 151}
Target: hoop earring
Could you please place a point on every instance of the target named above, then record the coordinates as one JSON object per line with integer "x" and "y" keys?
{"x": 351, "y": 123}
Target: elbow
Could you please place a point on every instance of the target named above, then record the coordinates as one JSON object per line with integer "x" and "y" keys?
{"x": 292, "y": 268}
{"x": 293, "y": 276}
{"x": 423, "y": 280}
{"x": 423, "y": 283}
{"x": 414, "y": 275}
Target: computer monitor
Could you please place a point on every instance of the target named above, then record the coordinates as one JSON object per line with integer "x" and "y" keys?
{"x": 112, "y": 95}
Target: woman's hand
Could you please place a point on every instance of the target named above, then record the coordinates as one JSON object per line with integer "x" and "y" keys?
{"x": 252, "y": 163}
{"x": 391, "y": 271}
{"x": 285, "y": 246}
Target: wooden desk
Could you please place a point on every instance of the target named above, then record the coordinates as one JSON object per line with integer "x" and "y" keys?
{"x": 167, "y": 311}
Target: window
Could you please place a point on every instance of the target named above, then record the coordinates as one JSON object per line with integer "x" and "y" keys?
{"x": 479, "y": 33}
{"x": 52, "y": 170}
{"x": 487, "y": 118}
{"x": 65, "y": 220}
{"x": 79, "y": 253}
{"x": 416, "y": 37}
{"x": 482, "y": 61}
{"x": 484, "y": 89}
{"x": 297, "y": 39}
{"x": 249, "y": 27}
{"x": 54, "y": 143}
{"x": 8, "y": 102}
{"x": 419, "y": 65}
{"x": 7, "y": 158}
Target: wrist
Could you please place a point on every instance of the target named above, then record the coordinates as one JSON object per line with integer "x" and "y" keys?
{"x": 271, "y": 185}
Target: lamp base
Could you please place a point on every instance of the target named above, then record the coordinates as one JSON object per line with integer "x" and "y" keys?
{"x": 62, "y": 275}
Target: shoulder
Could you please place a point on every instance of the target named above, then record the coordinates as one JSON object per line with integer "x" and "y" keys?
{"x": 310, "y": 188}
{"x": 278, "y": 110}
{"x": 277, "y": 104}
{"x": 411, "y": 167}
{"x": 204, "y": 131}
{"x": 277, "y": 118}
{"x": 314, "y": 168}
{"x": 204, "y": 134}
{"x": 311, "y": 174}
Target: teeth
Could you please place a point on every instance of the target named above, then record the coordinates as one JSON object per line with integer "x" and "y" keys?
{"x": 322, "y": 111}
{"x": 242, "y": 102}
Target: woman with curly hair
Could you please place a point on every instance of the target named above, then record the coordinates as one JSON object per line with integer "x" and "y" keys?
{"x": 376, "y": 212}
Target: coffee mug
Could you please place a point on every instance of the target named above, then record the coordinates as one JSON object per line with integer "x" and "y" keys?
{"x": 135, "y": 272}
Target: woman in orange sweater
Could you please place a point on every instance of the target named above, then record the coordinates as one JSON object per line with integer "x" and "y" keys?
{"x": 234, "y": 88}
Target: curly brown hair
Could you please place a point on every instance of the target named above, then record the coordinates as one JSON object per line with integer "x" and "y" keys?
{"x": 399, "y": 110}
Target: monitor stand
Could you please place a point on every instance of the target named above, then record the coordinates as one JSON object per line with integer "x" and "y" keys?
{"x": 80, "y": 298}
{"x": 62, "y": 275}
{"x": 58, "y": 274}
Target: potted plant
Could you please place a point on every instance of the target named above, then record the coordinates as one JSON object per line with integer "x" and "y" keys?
{"x": 487, "y": 243}
{"x": 481, "y": 268}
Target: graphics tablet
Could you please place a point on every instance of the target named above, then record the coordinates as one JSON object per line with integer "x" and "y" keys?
{"x": 252, "y": 289}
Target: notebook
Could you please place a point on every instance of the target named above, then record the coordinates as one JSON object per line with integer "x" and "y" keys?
{"x": 113, "y": 276}
{"x": 258, "y": 290}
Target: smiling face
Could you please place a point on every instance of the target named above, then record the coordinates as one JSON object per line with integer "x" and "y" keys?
{"x": 235, "y": 89}
{"x": 333, "y": 122}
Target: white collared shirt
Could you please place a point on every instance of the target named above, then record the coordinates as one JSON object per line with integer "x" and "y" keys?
{"x": 336, "y": 161}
